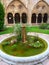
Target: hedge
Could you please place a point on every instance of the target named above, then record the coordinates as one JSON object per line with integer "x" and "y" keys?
{"x": 2, "y": 14}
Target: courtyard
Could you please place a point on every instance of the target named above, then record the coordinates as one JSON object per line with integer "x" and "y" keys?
{"x": 24, "y": 32}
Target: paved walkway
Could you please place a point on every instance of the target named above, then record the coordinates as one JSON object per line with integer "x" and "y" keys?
{"x": 46, "y": 62}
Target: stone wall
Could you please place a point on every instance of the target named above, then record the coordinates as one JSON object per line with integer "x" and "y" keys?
{"x": 29, "y": 6}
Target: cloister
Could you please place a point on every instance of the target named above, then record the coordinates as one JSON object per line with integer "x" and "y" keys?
{"x": 17, "y": 12}
{"x": 25, "y": 43}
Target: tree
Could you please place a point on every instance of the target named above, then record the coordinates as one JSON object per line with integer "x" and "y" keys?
{"x": 2, "y": 14}
{"x": 24, "y": 35}
{"x": 20, "y": 32}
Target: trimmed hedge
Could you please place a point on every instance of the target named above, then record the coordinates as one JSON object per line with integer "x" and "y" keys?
{"x": 2, "y": 14}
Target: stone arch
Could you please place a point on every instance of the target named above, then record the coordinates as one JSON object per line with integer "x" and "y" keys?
{"x": 39, "y": 18}
{"x": 16, "y": 0}
{"x": 24, "y": 17}
{"x": 45, "y": 17}
{"x": 16, "y": 6}
{"x": 33, "y": 18}
{"x": 41, "y": 7}
{"x": 17, "y": 18}
{"x": 10, "y": 18}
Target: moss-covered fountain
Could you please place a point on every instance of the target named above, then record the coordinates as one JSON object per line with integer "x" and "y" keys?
{"x": 23, "y": 48}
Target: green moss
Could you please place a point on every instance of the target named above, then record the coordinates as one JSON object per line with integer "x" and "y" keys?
{"x": 21, "y": 49}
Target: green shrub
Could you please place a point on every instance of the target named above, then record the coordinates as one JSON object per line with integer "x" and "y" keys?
{"x": 1, "y": 25}
{"x": 14, "y": 46}
{"x": 37, "y": 44}
{"x": 6, "y": 43}
{"x": 17, "y": 30}
{"x": 2, "y": 13}
{"x": 44, "y": 26}
{"x": 48, "y": 27}
{"x": 35, "y": 39}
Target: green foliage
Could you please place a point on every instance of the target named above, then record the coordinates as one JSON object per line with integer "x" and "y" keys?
{"x": 37, "y": 44}
{"x": 34, "y": 42}
{"x": 7, "y": 30}
{"x": 1, "y": 25}
{"x": 23, "y": 50}
{"x": 5, "y": 27}
{"x": 48, "y": 27}
{"x": 27, "y": 28}
{"x": 17, "y": 30}
{"x": 31, "y": 29}
{"x": 2, "y": 13}
{"x": 35, "y": 39}
{"x": 19, "y": 37}
{"x": 44, "y": 26}
{"x": 6, "y": 43}
{"x": 14, "y": 46}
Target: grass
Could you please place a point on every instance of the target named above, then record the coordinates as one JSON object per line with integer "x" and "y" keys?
{"x": 31, "y": 29}
{"x": 38, "y": 30}
{"x": 7, "y": 30}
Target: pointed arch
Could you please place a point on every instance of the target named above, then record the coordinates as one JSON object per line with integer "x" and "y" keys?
{"x": 40, "y": 7}
{"x": 17, "y": 8}
{"x": 43, "y": 2}
{"x": 17, "y": 0}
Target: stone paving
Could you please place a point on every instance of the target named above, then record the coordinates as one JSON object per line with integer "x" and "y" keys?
{"x": 46, "y": 62}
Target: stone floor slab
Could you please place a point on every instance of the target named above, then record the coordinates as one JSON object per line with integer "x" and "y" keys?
{"x": 3, "y": 63}
{"x": 46, "y": 62}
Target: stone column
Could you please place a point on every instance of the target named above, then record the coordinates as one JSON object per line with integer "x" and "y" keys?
{"x": 36, "y": 19}
{"x": 29, "y": 13}
{"x": 42, "y": 18}
{"x": 5, "y": 18}
{"x": 29, "y": 18}
{"x": 20, "y": 18}
{"x": 48, "y": 19}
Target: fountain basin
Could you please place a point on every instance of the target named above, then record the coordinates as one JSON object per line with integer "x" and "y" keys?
{"x": 24, "y": 60}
